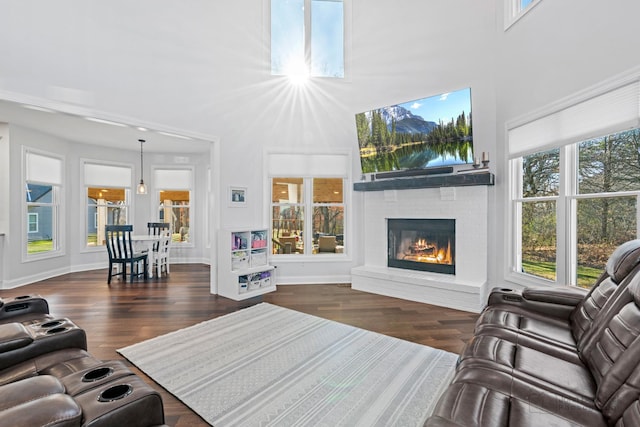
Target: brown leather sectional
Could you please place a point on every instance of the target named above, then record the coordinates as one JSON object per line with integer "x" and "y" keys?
{"x": 47, "y": 377}
{"x": 554, "y": 356}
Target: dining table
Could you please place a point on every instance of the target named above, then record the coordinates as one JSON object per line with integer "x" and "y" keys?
{"x": 145, "y": 242}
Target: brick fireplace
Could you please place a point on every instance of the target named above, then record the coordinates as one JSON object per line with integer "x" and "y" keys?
{"x": 463, "y": 288}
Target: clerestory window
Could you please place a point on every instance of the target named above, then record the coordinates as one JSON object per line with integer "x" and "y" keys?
{"x": 516, "y": 9}
{"x": 308, "y": 38}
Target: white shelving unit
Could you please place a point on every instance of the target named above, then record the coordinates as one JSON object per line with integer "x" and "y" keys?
{"x": 243, "y": 264}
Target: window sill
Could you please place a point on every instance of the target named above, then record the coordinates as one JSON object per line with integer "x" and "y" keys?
{"x": 42, "y": 257}
{"x": 291, "y": 258}
{"x": 526, "y": 280}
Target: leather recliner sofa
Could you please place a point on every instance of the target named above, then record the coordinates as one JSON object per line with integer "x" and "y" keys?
{"x": 554, "y": 356}
{"x": 47, "y": 377}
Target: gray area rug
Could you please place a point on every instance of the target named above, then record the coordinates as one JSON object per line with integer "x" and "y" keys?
{"x": 268, "y": 365}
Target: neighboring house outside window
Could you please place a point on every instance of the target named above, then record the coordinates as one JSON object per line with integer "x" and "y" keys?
{"x": 107, "y": 199}
{"x": 307, "y": 38}
{"x": 174, "y": 187}
{"x": 574, "y": 203}
{"x": 43, "y": 181}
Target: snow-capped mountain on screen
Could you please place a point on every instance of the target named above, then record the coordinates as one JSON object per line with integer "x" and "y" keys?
{"x": 406, "y": 121}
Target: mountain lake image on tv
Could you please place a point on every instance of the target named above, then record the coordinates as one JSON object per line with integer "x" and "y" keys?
{"x": 424, "y": 133}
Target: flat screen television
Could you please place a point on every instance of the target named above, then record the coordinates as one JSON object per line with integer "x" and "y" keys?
{"x": 425, "y": 133}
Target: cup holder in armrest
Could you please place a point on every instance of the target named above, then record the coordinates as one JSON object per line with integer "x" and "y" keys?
{"x": 115, "y": 392}
{"x": 16, "y": 307}
{"x": 96, "y": 377}
{"x": 97, "y": 374}
{"x": 33, "y": 304}
{"x": 504, "y": 295}
{"x": 118, "y": 402}
{"x": 56, "y": 330}
{"x": 51, "y": 324}
{"x": 512, "y": 298}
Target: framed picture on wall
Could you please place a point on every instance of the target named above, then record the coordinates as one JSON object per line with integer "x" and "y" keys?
{"x": 237, "y": 196}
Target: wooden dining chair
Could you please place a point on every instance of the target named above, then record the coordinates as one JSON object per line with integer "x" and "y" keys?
{"x": 161, "y": 257}
{"x": 120, "y": 250}
{"x": 157, "y": 229}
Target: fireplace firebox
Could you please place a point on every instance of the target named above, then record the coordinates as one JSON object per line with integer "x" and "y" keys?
{"x": 422, "y": 244}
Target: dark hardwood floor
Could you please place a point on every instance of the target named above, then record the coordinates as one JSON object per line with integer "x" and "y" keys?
{"x": 122, "y": 314}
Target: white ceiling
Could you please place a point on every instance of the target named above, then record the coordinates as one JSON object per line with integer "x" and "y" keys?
{"x": 78, "y": 129}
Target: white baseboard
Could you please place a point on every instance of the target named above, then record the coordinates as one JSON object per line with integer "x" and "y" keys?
{"x": 312, "y": 280}
{"x": 43, "y": 275}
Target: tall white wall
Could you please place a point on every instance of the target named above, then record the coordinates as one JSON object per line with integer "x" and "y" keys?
{"x": 558, "y": 49}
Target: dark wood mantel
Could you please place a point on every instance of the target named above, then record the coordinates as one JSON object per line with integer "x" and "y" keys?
{"x": 429, "y": 181}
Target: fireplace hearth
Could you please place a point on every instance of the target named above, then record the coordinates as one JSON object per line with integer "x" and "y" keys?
{"x": 422, "y": 244}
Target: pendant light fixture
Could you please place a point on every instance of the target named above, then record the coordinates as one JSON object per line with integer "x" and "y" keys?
{"x": 142, "y": 188}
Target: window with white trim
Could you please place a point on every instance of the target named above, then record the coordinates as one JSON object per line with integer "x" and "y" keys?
{"x": 575, "y": 183}
{"x": 43, "y": 181}
{"x": 174, "y": 187}
{"x": 308, "y": 212}
{"x": 307, "y": 215}
{"x": 107, "y": 195}
{"x": 516, "y": 9}
{"x": 307, "y": 38}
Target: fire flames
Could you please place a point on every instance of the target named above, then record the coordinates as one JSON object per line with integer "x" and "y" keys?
{"x": 422, "y": 250}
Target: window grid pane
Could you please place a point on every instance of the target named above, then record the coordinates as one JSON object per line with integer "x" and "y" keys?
{"x": 287, "y": 35}
{"x": 105, "y": 206}
{"x": 327, "y": 38}
{"x": 287, "y": 190}
{"x": 539, "y": 239}
{"x": 610, "y": 164}
{"x": 327, "y": 190}
{"x": 299, "y": 51}
{"x": 175, "y": 209}
{"x": 541, "y": 174}
{"x": 603, "y": 224}
{"x": 42, "y": 239}
{"x": 288, "y": 229}
{"x": 525, "y": 4}
{"x": 41, "y": 225}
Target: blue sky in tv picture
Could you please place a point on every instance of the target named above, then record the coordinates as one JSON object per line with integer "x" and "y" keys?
{"x": 428, "y": 132}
